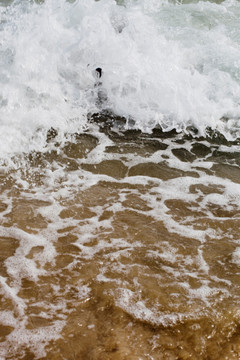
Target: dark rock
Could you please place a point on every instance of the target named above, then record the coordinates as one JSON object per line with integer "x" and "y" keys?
{"x": 227, "y": 171}
{"x": 159, "y": 133}
{"x": 83, "y": 145}
{"x": 160, "y": 170}
{"x": 222, "y": 156}
{"x": 51, "y": 134}
{"x": 200, "y": 150}
{"x": 184, "y": 155}
{"x": 215, "y": 137}
{"x": 113, "y": 168}
{"x": 141, "y": 147}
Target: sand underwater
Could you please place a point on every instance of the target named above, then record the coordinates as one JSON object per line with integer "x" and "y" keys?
{"x": 119, "y": 195}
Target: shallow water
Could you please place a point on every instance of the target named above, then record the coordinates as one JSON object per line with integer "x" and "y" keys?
{"x": 119, "y": 196}
{"x": 133, "y": 257}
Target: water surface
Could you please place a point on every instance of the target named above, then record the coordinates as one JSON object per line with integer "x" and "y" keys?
{"x": 119, "y": 197}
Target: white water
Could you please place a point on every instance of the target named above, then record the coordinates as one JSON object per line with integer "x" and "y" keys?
{"x": 175, "y": 65}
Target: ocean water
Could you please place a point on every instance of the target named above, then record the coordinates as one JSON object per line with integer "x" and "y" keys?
{"x": 119, "y": 194}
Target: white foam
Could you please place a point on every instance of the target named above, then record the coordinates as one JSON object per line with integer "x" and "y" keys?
{"x": 128, "y": 301}
{"x": 35, "y": 340}
{"x": 173, "y": 65}
{"x": 11, "y": 293}
{"x": 18, "y": 265}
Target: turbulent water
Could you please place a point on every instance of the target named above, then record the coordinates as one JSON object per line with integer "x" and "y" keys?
{"x": 119, "y": 194}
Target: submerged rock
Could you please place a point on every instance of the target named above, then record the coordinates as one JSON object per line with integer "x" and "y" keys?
{"x": 159, "y": 170}
{"x": 227, "y": 171}
{"x": 83, "y": 145}
{"x": 184, "y": 155}
{"x": 200, "y": 150}
{"x": 113, "y": 168}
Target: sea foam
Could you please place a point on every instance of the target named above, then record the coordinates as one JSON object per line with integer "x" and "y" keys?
{"x": 169, "y": 65}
